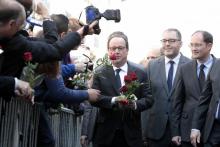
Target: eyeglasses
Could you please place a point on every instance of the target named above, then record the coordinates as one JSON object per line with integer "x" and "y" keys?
{"x": 120, "y": 48}
{"x": 169, "y": 40}
{"x": 196, "y": 45}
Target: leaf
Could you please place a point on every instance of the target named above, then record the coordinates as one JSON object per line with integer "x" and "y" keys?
{"x": 38, "y": 80}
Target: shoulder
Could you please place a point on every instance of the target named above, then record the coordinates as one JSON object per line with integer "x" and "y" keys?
{"x": 136, "y": 66}
{"x": 185, "y": 59}
{"x": 188, "y": 64}
{"x": 156, "y": 62}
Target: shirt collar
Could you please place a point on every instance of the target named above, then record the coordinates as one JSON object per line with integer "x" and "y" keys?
{"x": 176, "y": 59}
{"x": 124, "y": 68}
{"x": 207, "y": 63}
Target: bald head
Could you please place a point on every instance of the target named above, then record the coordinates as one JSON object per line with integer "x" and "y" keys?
{"x": 10, "y": 9}
{"x": 12, "y": 17}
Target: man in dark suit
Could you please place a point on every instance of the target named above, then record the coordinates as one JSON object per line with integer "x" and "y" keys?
{"x": 206, "y": 116}
{"x": 119, "y": 126}
{"x": 161, "y": 73}
{"x": 190, "y": 82}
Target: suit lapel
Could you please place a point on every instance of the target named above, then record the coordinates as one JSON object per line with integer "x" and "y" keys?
{"x": 130, "y": 68}
{"x": 110, "y": 75}
{"x": 195, "y": 76}
{"x": 181, "y": 61}
{"x": 161, "y": 65}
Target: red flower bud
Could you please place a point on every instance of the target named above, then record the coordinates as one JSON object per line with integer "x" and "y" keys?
{"x": 27, "y": 56}
{"x": 127, "y": 79}
{"x": 133, "y": 76}
{"x": 112, "y": 56}
{"x": 123, "y": 89}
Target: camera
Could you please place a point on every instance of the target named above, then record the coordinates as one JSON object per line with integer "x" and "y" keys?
{"x": 92, "y": 13}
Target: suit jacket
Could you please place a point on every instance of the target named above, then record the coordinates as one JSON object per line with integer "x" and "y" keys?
{"x": 110, "y": 117}
{"x": 204, "y": 114}
{"x": 158, "y": 115}
{"x": 185, "y": 98}
{"x": 11, "y": 60}
{"x": 7, "y": 86}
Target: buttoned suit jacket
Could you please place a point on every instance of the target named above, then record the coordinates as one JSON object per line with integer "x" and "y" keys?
{"x": 185, "y": 99}
{"x": 158, "y": 115}
{"x": 110, "y": 116}
{"x": 205, "y": 112}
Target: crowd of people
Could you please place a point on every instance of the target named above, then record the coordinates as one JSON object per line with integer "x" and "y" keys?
{"x": 176, "y": 103}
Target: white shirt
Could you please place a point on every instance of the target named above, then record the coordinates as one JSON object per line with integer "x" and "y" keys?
{"x": 175, "y": 65}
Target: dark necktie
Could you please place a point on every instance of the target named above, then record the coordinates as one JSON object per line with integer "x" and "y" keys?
{"x": 170, "y": 76}
{"x": 201, "y": 76}
{"x": 118, "y": 79}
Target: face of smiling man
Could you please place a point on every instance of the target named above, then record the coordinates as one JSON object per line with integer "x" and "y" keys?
{"x": 171, "y": 43}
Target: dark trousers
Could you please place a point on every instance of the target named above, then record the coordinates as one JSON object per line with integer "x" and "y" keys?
{"x": 118, "y": 140}
{"x": 45, "y": 136}
{"x": 165, "y": 141}
{"x": 214, "y": 138}
{"x": 188, "y": 144}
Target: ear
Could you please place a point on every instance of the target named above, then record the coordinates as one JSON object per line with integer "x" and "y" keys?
{"x": 209, "y": 46}
{"x": 12, "y": 23}
{"x": 62, "y": 34}
{"x": 181, "y": 43}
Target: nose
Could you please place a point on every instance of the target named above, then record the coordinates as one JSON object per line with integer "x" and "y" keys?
{"x": 117, "y": 50}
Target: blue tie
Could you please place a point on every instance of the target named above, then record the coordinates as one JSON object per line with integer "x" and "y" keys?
{"x": 118, "y": 79}
{"x": 170, "y": 76}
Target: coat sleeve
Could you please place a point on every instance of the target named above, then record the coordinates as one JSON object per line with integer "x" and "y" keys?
{"x": 7, "y": 86}
{"x": 58, "y": 92}
{"x": 203, "y": 106}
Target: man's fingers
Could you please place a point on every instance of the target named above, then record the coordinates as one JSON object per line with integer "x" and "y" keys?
{"x": 198, "y": 139}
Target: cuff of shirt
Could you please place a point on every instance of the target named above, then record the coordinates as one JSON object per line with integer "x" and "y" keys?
{"x": 195, "y": 130}
{"x": 16, "y": 83}
{"x": 113, "y": 100}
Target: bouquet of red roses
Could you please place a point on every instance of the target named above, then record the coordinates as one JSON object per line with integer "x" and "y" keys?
{"x": 127, "y": 91}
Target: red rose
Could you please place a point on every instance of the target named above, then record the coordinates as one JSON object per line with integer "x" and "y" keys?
{"x": 124, "y": 102}
{"x": 112, "y": 56}
{"x": 127, "y": 79}
{"x": 133, "y": 76}
{"x": 123, "y": 89}
{"x": 27, "y": 56}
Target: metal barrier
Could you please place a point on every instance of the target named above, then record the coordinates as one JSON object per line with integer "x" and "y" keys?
{"x": 18, "y": 123}
{"x": 66, "y": 127}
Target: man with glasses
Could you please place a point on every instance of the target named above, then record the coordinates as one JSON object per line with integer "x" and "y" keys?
{"x": 119, "y": 125}
{"x": 206, "y": 119}
{"x": 162, "y": 76}
{"x": 189, "y": 86}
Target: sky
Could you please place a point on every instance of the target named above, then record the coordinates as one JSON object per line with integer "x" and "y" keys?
{"x": 145, "y": 20}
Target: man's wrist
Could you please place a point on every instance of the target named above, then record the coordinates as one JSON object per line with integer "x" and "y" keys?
{"x": 113, "y": 100}
{"x": 195, "y": 130}
{"x": 16, "y": 83}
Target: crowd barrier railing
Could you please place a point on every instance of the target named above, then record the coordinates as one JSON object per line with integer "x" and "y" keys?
{"x": 18, "y": 123}
{"x": 66, "y": 127}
